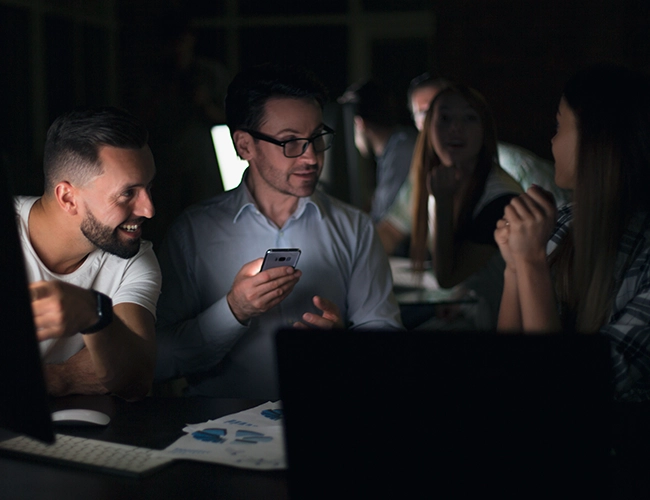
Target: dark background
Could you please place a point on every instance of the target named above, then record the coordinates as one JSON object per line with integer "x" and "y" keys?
{"x": 56, "y": 54}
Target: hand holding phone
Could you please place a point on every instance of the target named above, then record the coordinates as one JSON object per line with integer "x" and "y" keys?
{"x": 249, "y": 295}
{"x": 278, "y": 257}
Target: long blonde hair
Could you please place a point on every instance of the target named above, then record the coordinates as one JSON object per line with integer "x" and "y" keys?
{"x": 425, "y": 159}
{"x": 612, "y": 109}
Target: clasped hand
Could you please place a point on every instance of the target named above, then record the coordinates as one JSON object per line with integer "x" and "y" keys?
{"x": 61, "y": 309}
{"x": 444, "y": 181}
{"x": 526, "y": 227}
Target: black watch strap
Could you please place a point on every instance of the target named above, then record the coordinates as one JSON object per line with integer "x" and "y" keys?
{"x": 104, "y": 313}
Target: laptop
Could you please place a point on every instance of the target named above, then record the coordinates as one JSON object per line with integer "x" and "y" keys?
{"x": 231, "y": 166}
{"x": 378, "y": 414}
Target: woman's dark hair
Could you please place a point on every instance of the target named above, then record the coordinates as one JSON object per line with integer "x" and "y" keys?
{"x": 611, "y": 105}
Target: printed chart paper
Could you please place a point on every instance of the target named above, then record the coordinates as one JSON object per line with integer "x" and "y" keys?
{"x": 250, "y": 439}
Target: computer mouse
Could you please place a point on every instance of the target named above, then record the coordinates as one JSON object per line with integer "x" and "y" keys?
{"x": 78, "y": 416}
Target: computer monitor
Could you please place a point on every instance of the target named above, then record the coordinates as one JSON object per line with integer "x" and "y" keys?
{"x": 231, "y": 166}
{"x": 24, "y": 407}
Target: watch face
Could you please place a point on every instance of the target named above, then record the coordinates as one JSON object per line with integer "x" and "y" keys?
{"x": 104, "y": 313}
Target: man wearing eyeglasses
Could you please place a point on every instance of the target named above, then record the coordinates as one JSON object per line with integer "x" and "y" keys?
{"x": 218, "y": 311}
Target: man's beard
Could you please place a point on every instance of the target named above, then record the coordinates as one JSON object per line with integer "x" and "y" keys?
{"x": 107, "y": 239}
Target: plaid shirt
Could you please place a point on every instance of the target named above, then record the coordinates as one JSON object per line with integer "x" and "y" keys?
{"x": 628, "y": 328}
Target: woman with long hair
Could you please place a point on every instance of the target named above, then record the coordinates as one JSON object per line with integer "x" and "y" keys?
{"x": 596, "y": 277}
{"x": 460, "y": 192}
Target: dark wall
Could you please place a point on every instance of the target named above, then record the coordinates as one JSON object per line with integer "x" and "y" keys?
{"x": 519, "y": 53}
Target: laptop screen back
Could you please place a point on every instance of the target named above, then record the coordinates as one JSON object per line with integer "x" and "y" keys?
{"x": 23, "y": 400}
{"x": 458, "y": 415}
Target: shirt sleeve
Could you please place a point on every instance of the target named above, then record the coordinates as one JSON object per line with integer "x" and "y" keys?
{"x": 141, "y": 281}
{"x": 399, "y": 214}
{"x": 629, "y": 334}
{"x": 392, "y": 171}
{"x": 188, "y": 341}
{"x": 371, "y": 302}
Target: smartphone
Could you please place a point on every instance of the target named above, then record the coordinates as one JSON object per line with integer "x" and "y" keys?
{"x": 278, "y": 257}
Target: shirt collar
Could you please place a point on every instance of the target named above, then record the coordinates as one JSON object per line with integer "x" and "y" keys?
{"x": 244, "y": 201}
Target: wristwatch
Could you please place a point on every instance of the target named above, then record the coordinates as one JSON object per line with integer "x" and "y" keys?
{"x": 104, "y": 312}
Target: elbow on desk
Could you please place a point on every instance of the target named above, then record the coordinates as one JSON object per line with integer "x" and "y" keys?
{"x": 132, "y": 392}
{"x": 447, "y": 280}
{"x": 130, "y": 386}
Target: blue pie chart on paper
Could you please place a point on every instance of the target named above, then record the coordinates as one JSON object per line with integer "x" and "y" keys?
{"x": 273, "y": 414}
{"x": 210, "y": 435}
{"x": 251, "y": 437}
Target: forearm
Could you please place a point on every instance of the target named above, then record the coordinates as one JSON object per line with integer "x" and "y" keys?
{"x": 389, "y": 236}
{"x": 539, "y": 312}
{"x": 510, "y": 308}
{"x": 196, "y": 344}
{"x": 443, "y": 242}
{"x": 123, "y": 354}
{"x": 74, "y": 376}
{"x": 455, "y": 261}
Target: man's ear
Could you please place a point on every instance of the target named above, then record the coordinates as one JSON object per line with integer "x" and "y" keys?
{"x": 243, "y": 144}
{"x": 66, "y": 197}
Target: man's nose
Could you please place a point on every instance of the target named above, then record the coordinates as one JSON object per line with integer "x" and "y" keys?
{"x": 144, "y": 205}
{"x": 310, "y": 153}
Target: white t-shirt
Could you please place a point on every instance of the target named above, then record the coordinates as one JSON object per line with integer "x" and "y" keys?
{"x": 136, "y": 280}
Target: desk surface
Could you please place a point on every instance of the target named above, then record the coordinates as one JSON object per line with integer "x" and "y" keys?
{"x": 157, "y": 422}
{"x": 418, "y": 294}
{"x": 419, "y": 288}
{"x": 153, "y": 423}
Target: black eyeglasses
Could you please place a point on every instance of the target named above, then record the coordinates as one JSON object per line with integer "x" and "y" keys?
{"x": 293, "y": 148}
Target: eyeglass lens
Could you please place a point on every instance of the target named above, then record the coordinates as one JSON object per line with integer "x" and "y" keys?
{"x": 298, "y": 147}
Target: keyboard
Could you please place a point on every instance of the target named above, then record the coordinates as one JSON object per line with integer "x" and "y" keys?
{"x": 91, "y": 454}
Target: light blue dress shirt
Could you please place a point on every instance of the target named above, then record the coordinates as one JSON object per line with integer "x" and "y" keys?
{"x": 198, "y": 336}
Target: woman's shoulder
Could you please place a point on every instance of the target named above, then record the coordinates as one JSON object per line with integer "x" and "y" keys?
{"x": 502, "y": 182}
{"x": 636, "y": 238}
{"x": 562, "y": 224}
{"x": 499, "y": 184}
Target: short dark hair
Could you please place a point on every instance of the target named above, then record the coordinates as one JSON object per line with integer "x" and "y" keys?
{"x": 74, "y": 139}
{"x": 253, "y": 87}
{"x": 372, "y": 102}
{"x": 425, "y": 80}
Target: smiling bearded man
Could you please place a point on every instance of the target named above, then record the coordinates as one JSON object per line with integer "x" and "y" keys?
{"x": 94, "y": 283}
